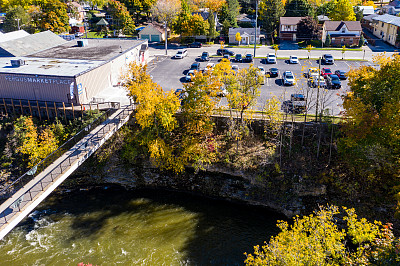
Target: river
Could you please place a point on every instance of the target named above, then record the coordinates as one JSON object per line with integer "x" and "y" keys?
{"x": 111, "y": 225}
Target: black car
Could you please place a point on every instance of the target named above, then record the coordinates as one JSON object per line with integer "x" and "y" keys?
{"x": 273, "y": 72}
{"x": 333, "y": 82}
{"x": 248, "y": 58}
{"x": 238, "y": 58}
{"x": 195, "y": 45}
{"x": 225, "y": 51}
{"x": 341, "y": 74}
{"x": 195, "y": 66}
{"x": 204, "y": 57}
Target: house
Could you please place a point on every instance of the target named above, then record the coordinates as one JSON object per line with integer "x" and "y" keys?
{"x": 247, "y": 34}
{"x": 288, "y": 28}
{"x": 153, "y": 32}
{"x": 367, "y": 22}
{"x": 393, "y": 8}
{"x": 367, "y": 10}
{"x": 246, "y": 19}
{"x": 387, "y": 28}
{"x": 76, "y": 12}
{"x": 342, "y": 32}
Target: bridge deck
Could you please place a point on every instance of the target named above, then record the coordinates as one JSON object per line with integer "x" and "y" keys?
{"x": 21, "y": 203}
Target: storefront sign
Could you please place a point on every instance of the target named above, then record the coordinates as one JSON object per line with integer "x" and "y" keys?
{"x": 13, "y": 78}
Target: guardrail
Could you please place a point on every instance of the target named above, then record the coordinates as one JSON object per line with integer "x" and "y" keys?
{"x": 43, "y": 164}
{"x": 80, "y": 154}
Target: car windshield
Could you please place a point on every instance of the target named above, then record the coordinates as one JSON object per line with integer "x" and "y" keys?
{"x": 271, "y": 55}
{"x": 180, "y": 52}
{"x": 261, "y": 68}
{"x": 289, "y": 76}
{"x": 205, "y": 54}
{"x": 294, "y": 57}
{"x": 335, "y": 78}
{"x": 328, "y": 56}
{"x": 342, "y": 72}
{"x": 327, "y": 70}
{"x": 273, "y": 69}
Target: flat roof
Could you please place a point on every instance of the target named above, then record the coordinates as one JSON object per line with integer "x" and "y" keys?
{"x": 97, "y": 49}
{"x": 47, "y": 66}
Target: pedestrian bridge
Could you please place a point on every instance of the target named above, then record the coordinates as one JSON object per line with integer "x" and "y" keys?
{"x": 24, "y": 194}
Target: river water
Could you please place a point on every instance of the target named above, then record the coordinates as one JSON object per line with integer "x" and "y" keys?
{"x": 110, "y": 226}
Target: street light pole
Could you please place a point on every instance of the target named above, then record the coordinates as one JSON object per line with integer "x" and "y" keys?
{"x": 17, "y": 19}
{"x": 166, "y": 39}
{"x": 255, "y": 32}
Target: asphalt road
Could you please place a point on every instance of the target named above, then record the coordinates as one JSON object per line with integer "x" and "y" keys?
{"x": 170, "y": 74}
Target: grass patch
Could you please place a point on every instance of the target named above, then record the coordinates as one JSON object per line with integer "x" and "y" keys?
{"x": 243, "y": 46}
{"x": 333, "y": 49}
{"x": 92, "y": 35}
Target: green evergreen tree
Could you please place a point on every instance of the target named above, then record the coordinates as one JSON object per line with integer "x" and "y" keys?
{"x": 362, "y": 41}
{"x": 13, "y": 15}
{"x": 230, "y": 11}
{"x": 212, "y": 32}
{"x": 328, "y": 41}
{"x": 298, "y": 8}
{"x": 270, "y": 12}
{"x": 180, "y": 25}
{"x": 225, "y": 28}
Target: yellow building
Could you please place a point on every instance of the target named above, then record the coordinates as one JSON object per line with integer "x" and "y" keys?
{"x": 387, "y": 28}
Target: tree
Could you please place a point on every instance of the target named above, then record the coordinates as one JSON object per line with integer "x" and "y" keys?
{"x": 342, "y": 10}
{"x": 212, "y": 32}
{"x": 321, "y": 239}
{"x": 197, "y": 25}
{"x": 122, "y": 20}
{"x": 181, "y": 23}
{"x": 328, "y": 40}
{"x": 371, "y": 139}
{"x": 307, "y": 29}
{"x": 166, "y": 11}
{"x": 358, "y": 12}
{"x": 54, "y": 16}
{"x": 138, "y": 7}
{"x": 362, "y": 40}
{"x": 97, "y": 3}
{"x": 7, "y": 4}
{"x": 225, "y": 28}
{"x": 270, "y": 12}
{"x": 238, "y": 38}
{"x": 230, "y": 11}
{"x": 213, "y": 5}
{"x": 16, "y": 16}
{"x": 298, "y": 8}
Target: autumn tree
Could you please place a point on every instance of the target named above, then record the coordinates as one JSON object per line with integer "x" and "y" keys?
{"x": 270, "y": 12}
{"x": 138, "y": 7}
{"x": 330, "y": 236}
{"x": 122, "y": 20}
{"x": 307, "y": 29}
{"x": 54, "y": 16}
{"x": 342, "y": 10}
{"x": 212, "y": 5}
{"x": 181, "y": 23}
{"x": 16, "y": 16}
{"x": 298, "y": 8}
{"x": 212, "y": 32}
{"x": 371, "y": 142}
{"x": 166, "y": 11}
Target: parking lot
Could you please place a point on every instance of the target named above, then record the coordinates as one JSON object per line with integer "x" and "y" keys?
{"x": 170, "y": 74}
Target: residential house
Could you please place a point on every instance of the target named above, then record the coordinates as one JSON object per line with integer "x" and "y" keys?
{"x": 153, "y": 32}
{"x": 247, "y": 34}
{"x": 367, "y": 23}
{"x": 387, "y": 28}
{"x": 76, "y": 13}
{"x": 288, "y": 28}
{"x": 342, "y": 32}
{"x": 393, "y": 8}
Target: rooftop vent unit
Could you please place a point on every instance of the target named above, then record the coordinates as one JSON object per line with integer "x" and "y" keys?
{"x": 83, "y": 43}
{"x": 17, "y": 62}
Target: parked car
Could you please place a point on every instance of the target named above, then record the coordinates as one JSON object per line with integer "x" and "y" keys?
{"x": 261, "y": 70}
{"x": 293, "y": 59}
{"x": 298, "y": 103}
{"x": 313, "y": 81}
{"x": 195, "y": 66}
{"x": 312, "y": 71}
{"x": 288, "y": 78}
{"x": 209, "y": 67}
{"x": 262, "y": 77}
{"x": 273, "y": 72}
{"x": 328, "y": 59}
{"x": 181, "y": 54}
{"x": 189, "y": 75}
{"x": 238, "y": 58}
{"x": 225, "y": 51}
{"x": 180, "y": 93}
{"x": 326, "y": 72}
{"x": 333, "y": 82}
{"x": 235, "y": 68}
{"x": 204, "y": 57}
{"x": 341, "y": 74}
{"x": 248, "y": 58}
{"x": 227, "y": 57}
{"x": 271, "y": 58}
{"x": 195, "y": 45}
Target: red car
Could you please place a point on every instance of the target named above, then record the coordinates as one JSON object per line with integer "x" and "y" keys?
{"x": 326, "y": 72}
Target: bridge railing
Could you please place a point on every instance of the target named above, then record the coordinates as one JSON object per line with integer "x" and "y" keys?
{"x": 85, "y": 149}
{"x": 43, "y": 164}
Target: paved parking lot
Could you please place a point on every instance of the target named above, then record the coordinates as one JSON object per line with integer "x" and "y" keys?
{"x": 170, "y": 74}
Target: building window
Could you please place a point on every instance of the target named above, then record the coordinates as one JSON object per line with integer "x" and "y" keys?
{"x": 382, "y": 24}
{"x": 343, "y": 30}
{"x": 389, "y": 37}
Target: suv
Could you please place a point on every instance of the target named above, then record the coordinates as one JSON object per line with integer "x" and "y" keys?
{"x": 204, "y": 57}
{"x": 195, "y": 45}
{"x": 248, "y": 58}
{"x": 271, "y": 58}
{"x": 328, "y": 59}
{"x": 238, "y": 58}
{"x": 288, "y": 78}
{"x": 225, "y": 51}
{"x": 181, "y": 54}
{"x": 333, "y": 82}
{"x": 195, "y": 66}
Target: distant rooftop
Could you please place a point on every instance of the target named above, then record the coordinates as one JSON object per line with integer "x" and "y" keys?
{"x": 393, "y": 20}
{"x": 97, "y": 49}
{"x": 47, "y": 66}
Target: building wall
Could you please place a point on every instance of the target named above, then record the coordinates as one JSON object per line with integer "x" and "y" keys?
{"x": 232, "y": 39}
{"x": 386, "y": 32}
{"x": 149, "y": 30}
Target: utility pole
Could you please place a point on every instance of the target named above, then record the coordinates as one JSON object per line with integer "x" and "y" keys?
{"x": 18, "y": 19}
{"x": 319, "y": 77}
{"x": 166, "y": 39}
{"x": 255, "y": 32}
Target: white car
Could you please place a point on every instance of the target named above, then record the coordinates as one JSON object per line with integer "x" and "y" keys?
{"x": 209, "y": 67}
{"x": 181, "y": 54}
{"x": 293, "y": 59}
{"x": 313, "y": 81}
{"x": 235, "y": 67}
{"x": 288, "y": 78}
{"x": 261, "y": 70}
{"x": 271, "y": 58}
{"x": 189, "y": 75}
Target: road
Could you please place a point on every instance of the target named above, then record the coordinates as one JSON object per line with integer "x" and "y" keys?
{"x": 170, "y": 74}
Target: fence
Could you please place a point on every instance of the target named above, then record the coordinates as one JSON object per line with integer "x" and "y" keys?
{"x": 51, "y": 110}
